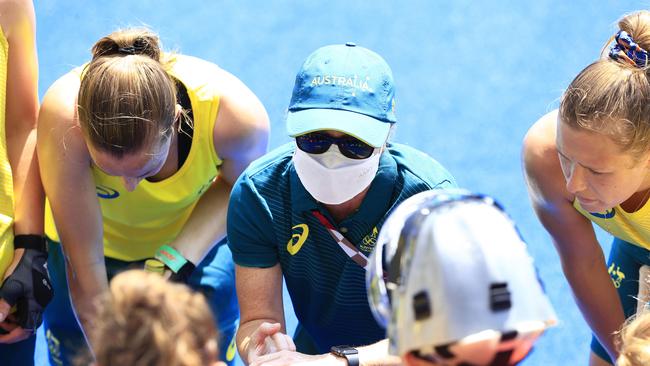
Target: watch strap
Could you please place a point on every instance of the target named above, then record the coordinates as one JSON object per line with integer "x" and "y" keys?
{"x": 350, "y": 353}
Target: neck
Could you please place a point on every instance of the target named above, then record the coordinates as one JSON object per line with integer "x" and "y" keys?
{"x": 342, "y": 210}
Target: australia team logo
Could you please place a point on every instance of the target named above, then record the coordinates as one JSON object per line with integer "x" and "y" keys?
{"x": 604, "y": 215}
{"x": 299, "y": 234}
{"x": 107, "y": 192}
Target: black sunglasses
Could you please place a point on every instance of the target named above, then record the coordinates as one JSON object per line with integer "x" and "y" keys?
{"x": 319, "y": 142}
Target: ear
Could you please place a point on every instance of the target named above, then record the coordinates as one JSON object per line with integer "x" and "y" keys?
{"x": 646, "y": 158}
{"x": 178, "y": 110}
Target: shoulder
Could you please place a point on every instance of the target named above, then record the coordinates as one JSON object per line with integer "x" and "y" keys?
{"x": 60, "y": 101}
{"x": 242, "y": 125}
{"x": 273, "y": 162}
{"x": 539, "y": 152}
{"x": 418, "y": 167}
{"x": 13, "y": 13}
{"x": 539, "y": 142}
{"x": 542, "y": 168}
{"x": 57, "y": 121}
{"x": 207, "y": 76}
{"x": 268, "y": 168}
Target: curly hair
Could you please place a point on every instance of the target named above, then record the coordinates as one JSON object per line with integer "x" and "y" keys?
{"x": 634, "y": 341}
{"x": 146, "y": 320}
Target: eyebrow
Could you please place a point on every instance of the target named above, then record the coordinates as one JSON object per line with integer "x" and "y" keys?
{"x": 582, "y": 165}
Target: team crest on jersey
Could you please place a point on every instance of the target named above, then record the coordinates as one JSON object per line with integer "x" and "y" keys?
{"x": 107, "y": 192}
{"x": 617, "y": 275}
{"x": 604, "y": 215}
{"x": 299, "y": 234}
{"x": 369, "y": 241}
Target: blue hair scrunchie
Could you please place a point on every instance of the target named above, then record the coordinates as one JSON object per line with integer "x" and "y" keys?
{"x": 628, "y": 49}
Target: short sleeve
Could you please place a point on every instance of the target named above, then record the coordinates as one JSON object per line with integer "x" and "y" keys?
{"x": 250, "y": 226}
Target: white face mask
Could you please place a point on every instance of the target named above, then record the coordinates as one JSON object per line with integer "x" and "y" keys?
{"x": 331, "y": 177}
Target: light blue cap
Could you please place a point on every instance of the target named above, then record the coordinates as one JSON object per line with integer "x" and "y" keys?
{"x": 345, "y": 88}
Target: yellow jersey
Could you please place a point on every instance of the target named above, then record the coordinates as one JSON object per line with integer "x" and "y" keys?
{"x": 139, "y": 222}
{"x": 632, "y": 227}
{"x": 6, "y": 180}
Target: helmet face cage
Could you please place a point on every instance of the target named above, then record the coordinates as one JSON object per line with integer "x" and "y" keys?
{"x": 385, "y": 270}
{"x": 388, "y": 276}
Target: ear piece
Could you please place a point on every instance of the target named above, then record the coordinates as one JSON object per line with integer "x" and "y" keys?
{"x": 499, "y": 297}
{"x": 421, "y": 306}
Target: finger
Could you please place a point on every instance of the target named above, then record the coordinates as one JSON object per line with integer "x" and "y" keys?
{"x": 269, "y": 328}
{"x": 8, "y": 326}
{"x": 264, "y": 330}
{"x": 292, "y": 346}
{"x": 4, "y": 309}
{"x": 16, "y": 335}
{"x": 282, "y": 341}
{"x": 269, "y": 346}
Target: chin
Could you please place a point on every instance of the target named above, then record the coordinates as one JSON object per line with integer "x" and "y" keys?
{"x": 594, "y": 206}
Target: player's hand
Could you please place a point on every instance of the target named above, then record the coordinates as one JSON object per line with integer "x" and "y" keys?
{"x": 27, "y": 285}
{"x": 12, "y": 331}
{"x": 268, "y": 339}
{"x": 286, "y": 358}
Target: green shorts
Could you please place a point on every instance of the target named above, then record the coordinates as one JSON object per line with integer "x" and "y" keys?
{"x": 625, "y": 260}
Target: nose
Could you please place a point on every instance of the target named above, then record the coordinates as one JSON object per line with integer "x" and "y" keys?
{"x": 130, "y": 183}
{"x": 576, "y": 182}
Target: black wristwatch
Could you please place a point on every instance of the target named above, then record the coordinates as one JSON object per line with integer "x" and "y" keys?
{"x": 350, "y": 353}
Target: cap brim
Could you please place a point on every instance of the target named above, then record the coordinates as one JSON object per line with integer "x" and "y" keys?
{"x": 370, "y": 130}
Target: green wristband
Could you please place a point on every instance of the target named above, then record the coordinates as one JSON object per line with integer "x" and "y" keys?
{"x": 171, "y": 257}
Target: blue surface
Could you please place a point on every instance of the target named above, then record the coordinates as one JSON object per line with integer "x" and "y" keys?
{"x": 471, "y": 78}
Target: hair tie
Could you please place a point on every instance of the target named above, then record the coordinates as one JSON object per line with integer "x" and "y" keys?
{"x": 137, "y": 48}
{"x": 625, "y": 48}
{"x": 130, "y": 50}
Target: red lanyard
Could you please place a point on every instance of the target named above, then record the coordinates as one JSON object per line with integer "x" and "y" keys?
{"x": 349, "y": 248}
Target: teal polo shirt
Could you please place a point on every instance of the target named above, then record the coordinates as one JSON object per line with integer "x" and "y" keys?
{"x": 270, "y": 221}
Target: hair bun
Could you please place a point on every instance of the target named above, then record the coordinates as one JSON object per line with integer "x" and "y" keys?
{"x": 131, "y": 41}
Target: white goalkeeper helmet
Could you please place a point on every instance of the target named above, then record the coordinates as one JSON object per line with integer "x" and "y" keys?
{"x": 451, "y": 280}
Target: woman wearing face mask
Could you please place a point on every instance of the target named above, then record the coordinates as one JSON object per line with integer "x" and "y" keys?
{"x": 139, "y": 149}
{"x": 310, "y": 212}
{"x": 588, "y": 163}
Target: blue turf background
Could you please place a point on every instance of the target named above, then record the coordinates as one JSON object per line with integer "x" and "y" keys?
{"x": 471, "y": 77}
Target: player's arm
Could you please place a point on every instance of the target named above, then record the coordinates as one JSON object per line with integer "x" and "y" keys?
{"x": 21, "y": 115}
{"x": 240, "y": 136}
{"x": 70, "y": 188}
{"x": 582, "y": 258}
{"x": 18, "y": 24}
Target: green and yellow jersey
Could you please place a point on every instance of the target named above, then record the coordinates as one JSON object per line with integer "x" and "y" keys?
{"x": 137, "y": 223}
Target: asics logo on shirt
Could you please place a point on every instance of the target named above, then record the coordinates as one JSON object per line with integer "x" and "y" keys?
{"x": 606, "y": 215}
{"x": 300, "y": 234}
{"x": 107, "y": 192}
{"x": 232, "y": 350}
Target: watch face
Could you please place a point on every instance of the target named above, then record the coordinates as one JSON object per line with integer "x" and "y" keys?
{"x": 345, "y": 350}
